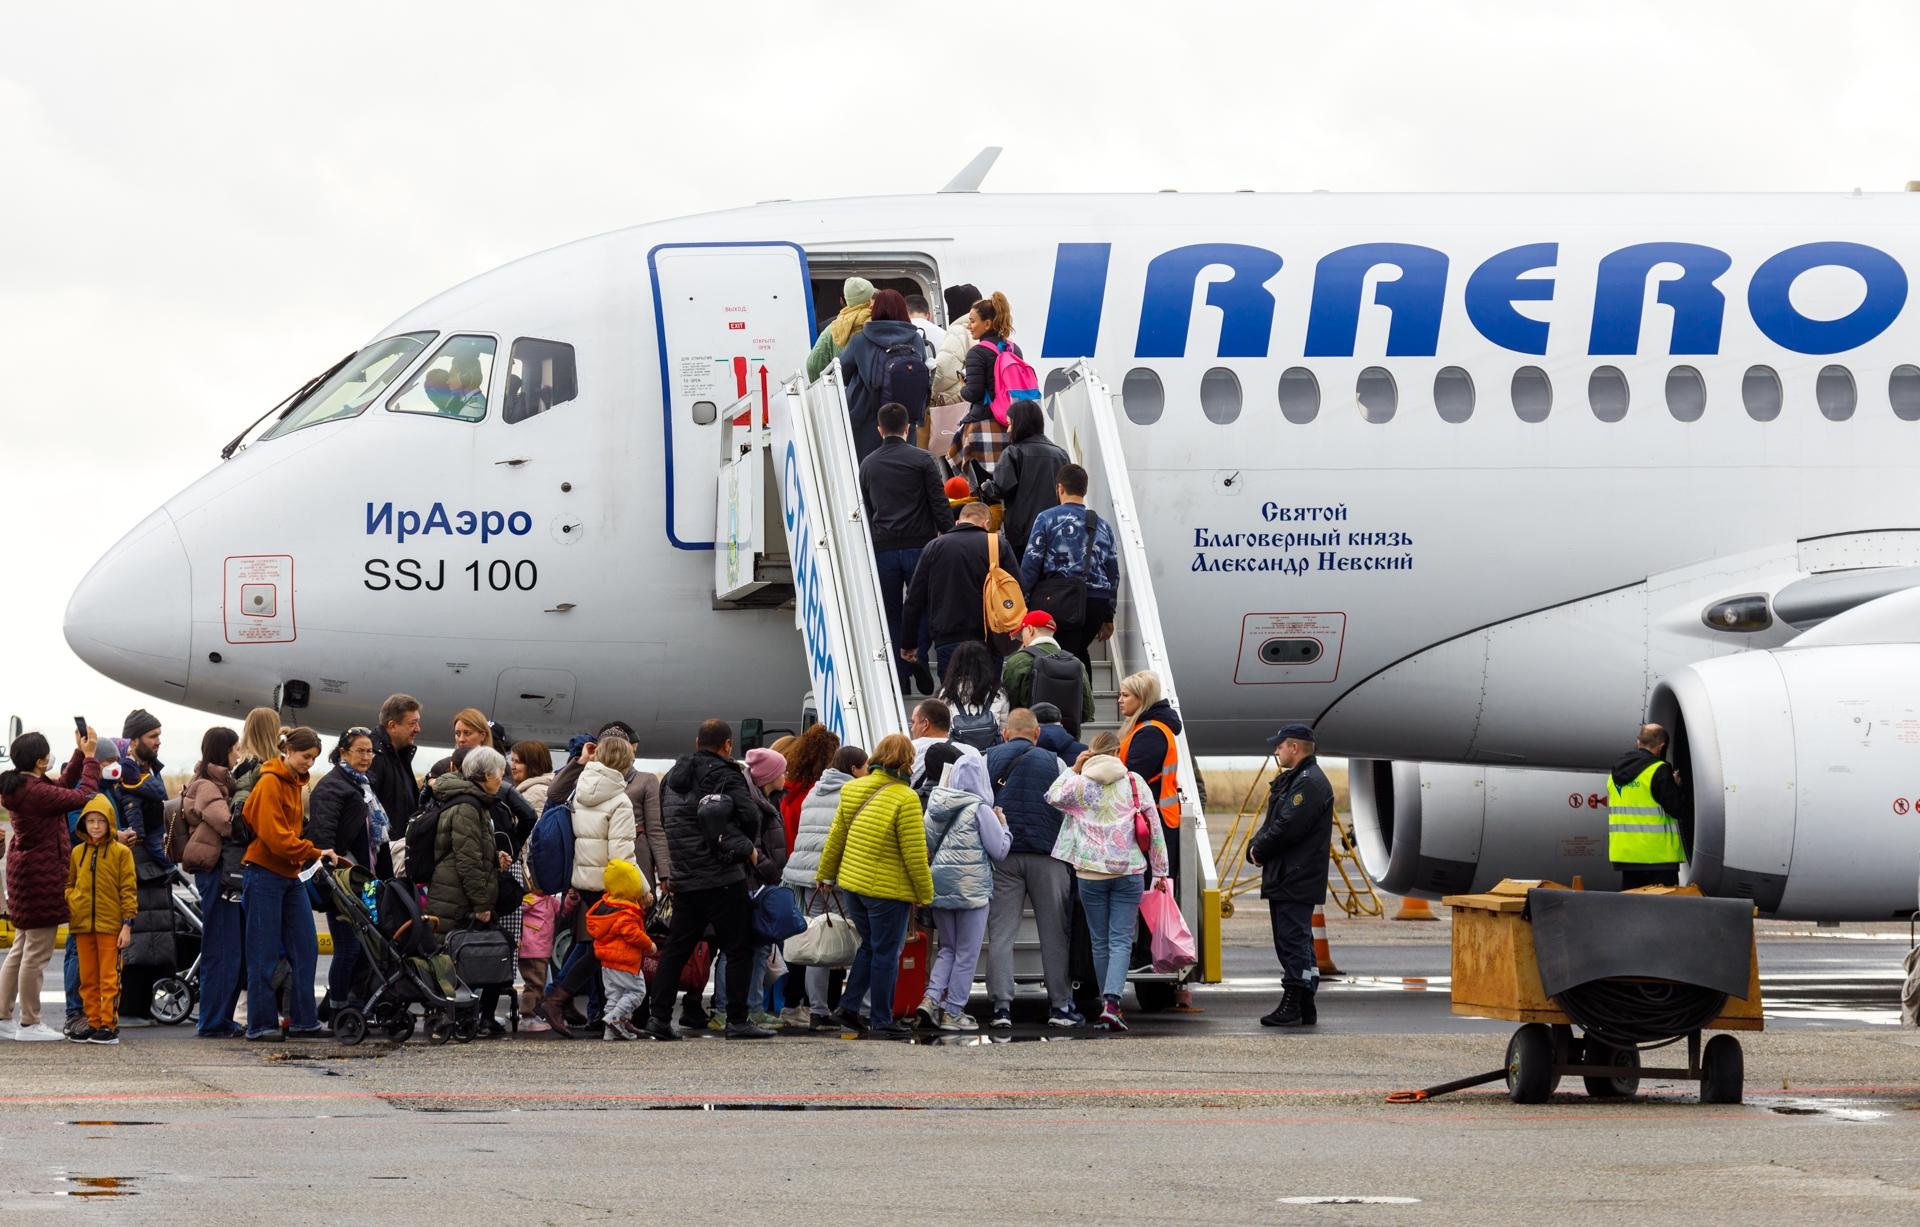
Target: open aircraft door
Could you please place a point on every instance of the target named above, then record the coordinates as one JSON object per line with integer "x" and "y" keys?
{"x": 732, "y": 320}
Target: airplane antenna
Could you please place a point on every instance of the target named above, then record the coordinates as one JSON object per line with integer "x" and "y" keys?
{"x": 973, "y": 173}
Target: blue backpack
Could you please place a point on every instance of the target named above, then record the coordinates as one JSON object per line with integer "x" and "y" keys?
{"x": 550, "y": 850}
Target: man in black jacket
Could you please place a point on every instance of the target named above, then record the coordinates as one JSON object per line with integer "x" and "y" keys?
{"x": 1291, "y": 849}
{"x": 391, "y": 775}
{"x": 906, "y": 508}
{"x": 712, "y": 821}
{"x": 947, "y": 587}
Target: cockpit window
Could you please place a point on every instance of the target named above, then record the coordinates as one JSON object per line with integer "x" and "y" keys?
{"x": 453, "y": 383}
{"x": 356, "y": 385}
{"x": 539, "y": 376}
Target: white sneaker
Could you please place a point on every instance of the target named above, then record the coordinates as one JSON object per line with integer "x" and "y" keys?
{"x": 951, "y": 1020}
{"x": 38, "y": 1033}
{"x": 8, "y": 1028}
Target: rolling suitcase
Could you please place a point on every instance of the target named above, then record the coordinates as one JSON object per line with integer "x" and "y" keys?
{"x": 916, "y": 968}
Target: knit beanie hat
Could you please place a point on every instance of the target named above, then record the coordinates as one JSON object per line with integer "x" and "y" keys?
{"x": 858, "y": 291}
{"x": 960, "y": 300}
{"x": 107, "y": 752}
{"x": 766, "y": 767}
{"x": 139, "y": 723}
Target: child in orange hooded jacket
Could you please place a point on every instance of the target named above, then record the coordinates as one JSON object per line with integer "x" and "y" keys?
{"x": 617, "y": 924}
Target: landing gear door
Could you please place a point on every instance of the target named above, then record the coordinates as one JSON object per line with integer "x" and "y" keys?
{"x": 734, "y": 321}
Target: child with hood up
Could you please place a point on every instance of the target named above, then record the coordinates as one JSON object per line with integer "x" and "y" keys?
{"x": 617, "y": 922}
{"x": 102, "y": 897}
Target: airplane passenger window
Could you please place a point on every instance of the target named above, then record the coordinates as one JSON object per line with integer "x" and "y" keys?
{"x": 1142, "y": 396}
{"x": 1057, "y": 381}
{"x": 1220, "y": 395}
{"x": 1532, "y": 394}
{"x": 1299, "y": 395}
{"x": 356, "y": 385}
{"x": 1608, "y": 393}
{"x": 1760, "y": 393}
{"x": 1835, "y": 393}
{"x": 1453, "y": 394}
{"x": 1903, "y": 389}
{"x": 453, "y": 383}
{"x": 1686, "y": 394}
{"x": 540, "y": 375}
{"x": 1379, "y": 396}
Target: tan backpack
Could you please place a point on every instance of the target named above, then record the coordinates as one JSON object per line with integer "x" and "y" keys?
{"x": 1003, "y": 607}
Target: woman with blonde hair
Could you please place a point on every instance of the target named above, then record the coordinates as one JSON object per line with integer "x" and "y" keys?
{"x": 1148, "y": 727}
{"x": 982, "y": 436}
{"x": 470, "y": 729}
{"x": 259, "y": 742}
{"x": 876, "y": 854}
{"x": 279, "y": 915}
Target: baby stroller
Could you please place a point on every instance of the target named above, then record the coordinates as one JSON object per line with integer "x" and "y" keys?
{"x": 406, "y": 964}
{"x": 175, "y": 995}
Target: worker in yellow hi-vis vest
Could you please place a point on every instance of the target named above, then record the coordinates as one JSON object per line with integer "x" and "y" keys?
{"x": 1647, "y": 806}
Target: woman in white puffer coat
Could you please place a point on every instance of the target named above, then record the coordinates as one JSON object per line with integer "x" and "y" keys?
{"x": 603, "y": 826}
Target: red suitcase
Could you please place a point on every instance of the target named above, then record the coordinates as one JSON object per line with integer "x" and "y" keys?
{"x": 916, "y": 967}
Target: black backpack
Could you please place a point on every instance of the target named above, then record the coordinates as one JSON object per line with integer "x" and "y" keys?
{"x": 1057, "y": 679}
{"x": 974, "y": 727}
{"x": 423, "y": 833}
{"x": 904, "y": 378}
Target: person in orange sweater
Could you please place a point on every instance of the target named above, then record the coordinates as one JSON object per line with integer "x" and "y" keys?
{"x": 279, "y": 913}
{"x": 617, "y": 922}
{"x": 102, "y": 897}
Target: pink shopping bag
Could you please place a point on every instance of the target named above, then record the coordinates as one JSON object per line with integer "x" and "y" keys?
{"x": 1173, "y": 947}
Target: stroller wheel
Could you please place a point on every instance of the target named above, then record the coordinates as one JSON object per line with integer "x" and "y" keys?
{"x": 172, "y": 1000}
{"x": 465, "y": 1030}
{"x": 349, "y": 1025}
{"x": 401, "y": 1029}
{"x": 439, "y": 1031}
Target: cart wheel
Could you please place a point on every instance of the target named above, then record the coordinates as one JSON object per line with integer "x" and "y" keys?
{"x": 1722, "y": 1071}
{"x": 1530, "y": 1076}
{"x": 172, "y": 1000}
{"x": 1154, "y": 996}
{"x": 439, "y": 1031}
{"x": 1622, "y": 1085}
{"x": 349, "y": 1025}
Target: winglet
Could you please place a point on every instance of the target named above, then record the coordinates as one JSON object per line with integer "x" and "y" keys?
{"x": 974, "y": 172}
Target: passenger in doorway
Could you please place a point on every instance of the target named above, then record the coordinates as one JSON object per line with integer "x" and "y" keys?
{"x": 1649, "y": 814}
{"x": 1026, "y": 479}
{"x": 802, "y": 873}
{"x": 907, "y": 509}
{"x": 965, "y": 837}
{"x": 1022, "y": 773}
{"x": 1034, "y": 675}
{"x": 1060, "y": 551}
{"x": 920, "y": 314}
{"x": 1291, "y": 850}
{"x": 1054, "y": 735}
{"x": 948, "y": 585}
{"x": 928, "y": 727}
{"x": 886, "y": 363}
{"x": 395, "y": 742}
{"x": 982, "y": 436}
{"x": 946, "y": 410}
{"x": 856, "y": 299}
{"x": 976, "y": 699}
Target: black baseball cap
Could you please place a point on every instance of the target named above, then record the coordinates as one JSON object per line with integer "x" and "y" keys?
{"x": 1295, "y": 732}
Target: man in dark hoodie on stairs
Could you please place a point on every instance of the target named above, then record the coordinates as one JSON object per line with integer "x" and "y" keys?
{"x": 712, "y": 821}
{"x": 1649, "y": 814}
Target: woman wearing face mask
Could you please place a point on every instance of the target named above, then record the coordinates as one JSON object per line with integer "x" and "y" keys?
{"x": 279, "y": 914}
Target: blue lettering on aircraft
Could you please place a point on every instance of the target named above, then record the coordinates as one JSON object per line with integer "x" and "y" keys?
{"x": 809, "y": 598}
{"x": 1684, "y": 278}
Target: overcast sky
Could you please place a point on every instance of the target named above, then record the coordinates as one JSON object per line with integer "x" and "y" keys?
{"x": 203, "y": 205}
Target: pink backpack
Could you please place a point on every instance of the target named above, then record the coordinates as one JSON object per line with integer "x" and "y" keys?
{"x": 1013, "y": 380}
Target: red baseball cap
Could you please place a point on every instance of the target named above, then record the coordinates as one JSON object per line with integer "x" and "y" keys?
{"x": 1037, "y": 617}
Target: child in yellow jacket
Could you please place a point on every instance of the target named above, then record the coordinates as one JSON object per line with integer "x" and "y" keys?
{"x": 102, "y": 896}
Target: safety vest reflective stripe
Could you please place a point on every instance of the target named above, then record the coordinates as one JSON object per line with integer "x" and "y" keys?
{"x": 1169, "y": 772}
{"x": 1631, "y": 839}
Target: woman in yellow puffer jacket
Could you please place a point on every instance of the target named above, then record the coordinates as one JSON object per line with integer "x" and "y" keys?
{"x": 877, "y": 854}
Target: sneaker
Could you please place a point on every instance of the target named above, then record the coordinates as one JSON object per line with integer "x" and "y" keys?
{"x": 716, "y": 1022}
{"x": 613, "y": 1032}
{"x": 266, "y": 1037}
{"x": 311, "y": 1034}
{"x": 820, "y": 1022}
{"x": 8, "y": 1028}
{"x": 79, "y": 1035}
{"x": 1002, "y": 1018}
{"x": 76, "y": 1025}
{"x": 892, "y": 1029}
{"x": 927, "y": 1014}
{"x": 103, "y": 1035}
{"x": 38, "y": 1033}
{"x": 958, "y": 1020}
{"x": 794, "y": 1016}
{"x": 772, "y": 1022}
{"x": 659, "y": 1029}
{"x": 1064, "y": 1016}
{"x": 1110, "y": 1018}
{"x": 745, "y": 1031}
{"x": 533, "y": 1024}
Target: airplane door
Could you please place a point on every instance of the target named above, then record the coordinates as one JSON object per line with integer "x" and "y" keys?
{"x": 734, "y": 319}
{"x": 534, "y": 703}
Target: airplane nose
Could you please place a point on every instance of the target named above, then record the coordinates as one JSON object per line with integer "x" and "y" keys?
{"x": 131, "y": 617}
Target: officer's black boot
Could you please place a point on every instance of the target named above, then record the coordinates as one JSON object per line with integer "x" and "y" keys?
{"x": 1287, "y": 1013}
{"x": 1309, "y": 1012}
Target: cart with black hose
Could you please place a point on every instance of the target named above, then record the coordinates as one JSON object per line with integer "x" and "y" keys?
{"x": 1596, "y": 979}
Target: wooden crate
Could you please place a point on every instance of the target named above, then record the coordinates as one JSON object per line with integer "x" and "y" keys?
{"x": 1496, "y": 973}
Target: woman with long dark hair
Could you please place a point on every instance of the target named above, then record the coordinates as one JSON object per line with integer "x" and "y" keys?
{"x": 807, "y": 760}
{"x": 862, "y": 367}
{"x": 37, "y": 859}
{"x": 345, "y": 817}
{"x": 975, "y": 696}
{"x": 1025, "y": 478}
{"x": 207, "y": 807}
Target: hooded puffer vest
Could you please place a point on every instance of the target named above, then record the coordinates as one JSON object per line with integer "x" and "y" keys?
{"x": 962, "y": 875}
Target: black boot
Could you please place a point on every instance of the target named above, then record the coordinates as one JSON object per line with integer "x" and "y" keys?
{"x": 1295, "y": 1010}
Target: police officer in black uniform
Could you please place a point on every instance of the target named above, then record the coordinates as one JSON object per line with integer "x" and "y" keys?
{"x": 1291, "y": 849}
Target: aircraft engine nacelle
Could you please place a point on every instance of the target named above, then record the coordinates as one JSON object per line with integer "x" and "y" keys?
{"x": 1432, "y": 829}
{"x": 1804, "y": 763}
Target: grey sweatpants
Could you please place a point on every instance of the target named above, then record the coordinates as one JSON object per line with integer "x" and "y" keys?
{"x": 626, "y": 992}
{"x": 1047, "y": 883}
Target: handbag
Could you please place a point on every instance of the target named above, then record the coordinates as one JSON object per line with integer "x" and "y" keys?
{"x": 481, "y": 957}
{"x": 1142, "y": 825}
{"x": 1065, "y": 596}
{"x": 828, "y": 940}
{"x": 1172, "y": 947}
{"x": 776, "y": 915}
{"x": 509, "y": 894}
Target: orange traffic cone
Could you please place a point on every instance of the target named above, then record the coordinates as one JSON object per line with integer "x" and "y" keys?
{"x": 1322, "y": 952}
{"x": 1414, "y": 909}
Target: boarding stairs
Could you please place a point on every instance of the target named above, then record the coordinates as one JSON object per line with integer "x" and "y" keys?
{"x": 791, "y": 530}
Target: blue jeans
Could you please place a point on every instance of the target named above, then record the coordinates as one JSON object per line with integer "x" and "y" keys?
{"x": 346, "y": 961}
{"x": 756, "y": 980}
{"x": 896, "y": 569}
{"x": 1113, "y": 909}
{"x": 882, "y": 925}
{"x": 76, "y": 1008}
{"x": 223, "y": 957}
{"x": 279, "y": 925}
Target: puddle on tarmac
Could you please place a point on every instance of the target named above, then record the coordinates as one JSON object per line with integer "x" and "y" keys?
{"x": 97, "y": 1186}
{"x": 1838, "y": 1109}
{"x": 973, "y": 1040}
